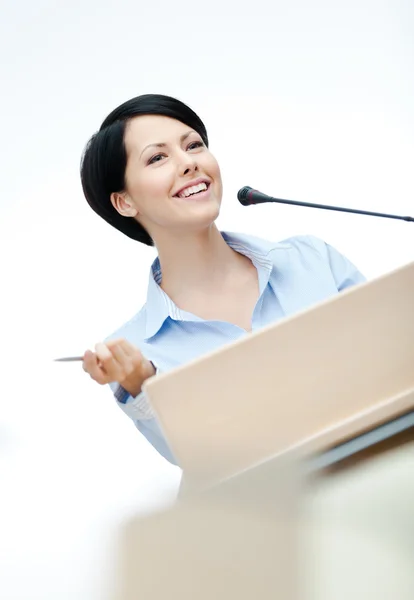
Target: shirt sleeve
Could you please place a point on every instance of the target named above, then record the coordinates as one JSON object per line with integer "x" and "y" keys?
{"x": 139, "y": 410}
{"x": 344, "y": 272}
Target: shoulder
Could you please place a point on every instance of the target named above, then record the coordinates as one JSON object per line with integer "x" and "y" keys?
{"x": 299, "y": 243}
{"x": 296, "y": 251}
{"x": 132, "y": 330}
{"x": 305, "y": 244}
{"x": 313, "y": 253}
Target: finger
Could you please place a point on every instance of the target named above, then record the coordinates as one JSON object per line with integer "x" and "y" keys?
{"x": 109, "y": 365}
{"x": 88, "y": 361}
{"x": 127, "y": 347}
{"x": 112, "y": 343}
{"x": 137, "y": 358}
{"x": 123, "y": 359}
{"x": 130, "y": 350}
{"x": 132, "y": 358}
{"x": 92, "y": 367}
{"x": 114, "y": 347}
{"x": 125, "y": 352}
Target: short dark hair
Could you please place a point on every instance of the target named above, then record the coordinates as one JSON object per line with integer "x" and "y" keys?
{"x": 104, "y": 159}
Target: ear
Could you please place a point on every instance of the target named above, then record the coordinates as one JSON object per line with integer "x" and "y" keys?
{"x": 123, "y": 204}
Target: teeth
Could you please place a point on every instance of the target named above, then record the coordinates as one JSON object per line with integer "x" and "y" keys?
{"x": 194, "y": 189}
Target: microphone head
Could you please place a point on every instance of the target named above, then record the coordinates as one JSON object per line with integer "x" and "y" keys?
{"x": 243, "y": 195}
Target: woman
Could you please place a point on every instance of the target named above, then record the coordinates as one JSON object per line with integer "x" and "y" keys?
{"x": 149, "y": 172}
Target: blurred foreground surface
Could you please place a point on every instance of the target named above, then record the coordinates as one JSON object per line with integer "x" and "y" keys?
{"x": 346, "y": 534}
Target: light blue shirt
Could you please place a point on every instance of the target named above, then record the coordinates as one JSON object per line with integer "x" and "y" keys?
{"x": 293, "y": 274}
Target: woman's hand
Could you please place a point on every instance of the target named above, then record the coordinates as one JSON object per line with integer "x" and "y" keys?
{"x": 120, "y": 361}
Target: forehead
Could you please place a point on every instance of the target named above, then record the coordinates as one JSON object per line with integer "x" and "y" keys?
{"x": 153, "y": 129}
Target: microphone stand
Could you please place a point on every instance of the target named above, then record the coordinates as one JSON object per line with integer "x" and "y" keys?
{"x": 248, "y": 196}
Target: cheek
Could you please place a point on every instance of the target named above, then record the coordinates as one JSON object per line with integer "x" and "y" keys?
{"x": 213, "y": 168}
{"x": 217, "y": 175}
{"x": 150, "y": 184}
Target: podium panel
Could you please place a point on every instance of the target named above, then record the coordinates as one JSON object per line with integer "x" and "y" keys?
{"x": 312, "y": 380}
{"x": 217, "y": 544}
{"x": 360, "y": 543}
{"x": 297, "y": 444}
{"x": 339, "y": 526}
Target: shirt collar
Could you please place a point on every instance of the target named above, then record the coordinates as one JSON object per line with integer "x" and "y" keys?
{"x": 159, "y": 305}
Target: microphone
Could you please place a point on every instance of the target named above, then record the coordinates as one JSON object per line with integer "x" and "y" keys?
{"x": 247, "y": 196}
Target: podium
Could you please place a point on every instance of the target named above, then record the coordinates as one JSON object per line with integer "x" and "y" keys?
{"x": 297, "y": 449}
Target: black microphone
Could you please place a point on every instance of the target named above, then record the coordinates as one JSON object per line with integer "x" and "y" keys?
{"x": 248, "y": 196}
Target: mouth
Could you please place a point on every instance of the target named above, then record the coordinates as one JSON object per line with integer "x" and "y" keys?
{"x": 194, "y": 191}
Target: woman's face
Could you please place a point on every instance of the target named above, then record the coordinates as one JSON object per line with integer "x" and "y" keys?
{"x": 173, "y": 182}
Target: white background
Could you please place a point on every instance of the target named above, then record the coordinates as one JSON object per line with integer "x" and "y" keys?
{"x": 304, "y": 100}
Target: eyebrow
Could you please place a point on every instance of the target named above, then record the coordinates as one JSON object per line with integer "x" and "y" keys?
{"x": 163, "y": 144}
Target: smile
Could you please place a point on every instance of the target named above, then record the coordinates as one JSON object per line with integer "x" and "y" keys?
{"x": 194, "y": 187}
{"x": 193, "y": 190}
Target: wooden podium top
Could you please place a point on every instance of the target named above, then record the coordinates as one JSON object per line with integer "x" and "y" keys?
{"x": 308, "y": 382}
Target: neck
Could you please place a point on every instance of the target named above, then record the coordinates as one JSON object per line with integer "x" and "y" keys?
{"x": 199, "y": 261}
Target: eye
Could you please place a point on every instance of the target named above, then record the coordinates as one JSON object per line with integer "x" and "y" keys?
{"x": 155, "y": 158}
{"x": 195, "y": 145}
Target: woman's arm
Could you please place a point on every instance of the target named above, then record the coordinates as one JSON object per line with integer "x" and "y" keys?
{"x": 139, "y": 410}
{"x": 344, "y": 272}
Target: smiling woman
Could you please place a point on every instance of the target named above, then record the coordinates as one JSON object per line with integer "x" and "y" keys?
{"x": 120, "y": 168}
{"x": 149, "y": 172}
{"x": 160, "y": 174}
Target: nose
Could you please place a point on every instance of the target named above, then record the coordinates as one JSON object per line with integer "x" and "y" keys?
{"x": 187, "y": 164}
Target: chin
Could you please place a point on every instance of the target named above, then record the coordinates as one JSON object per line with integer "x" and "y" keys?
{"x": 204, "y": 219}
